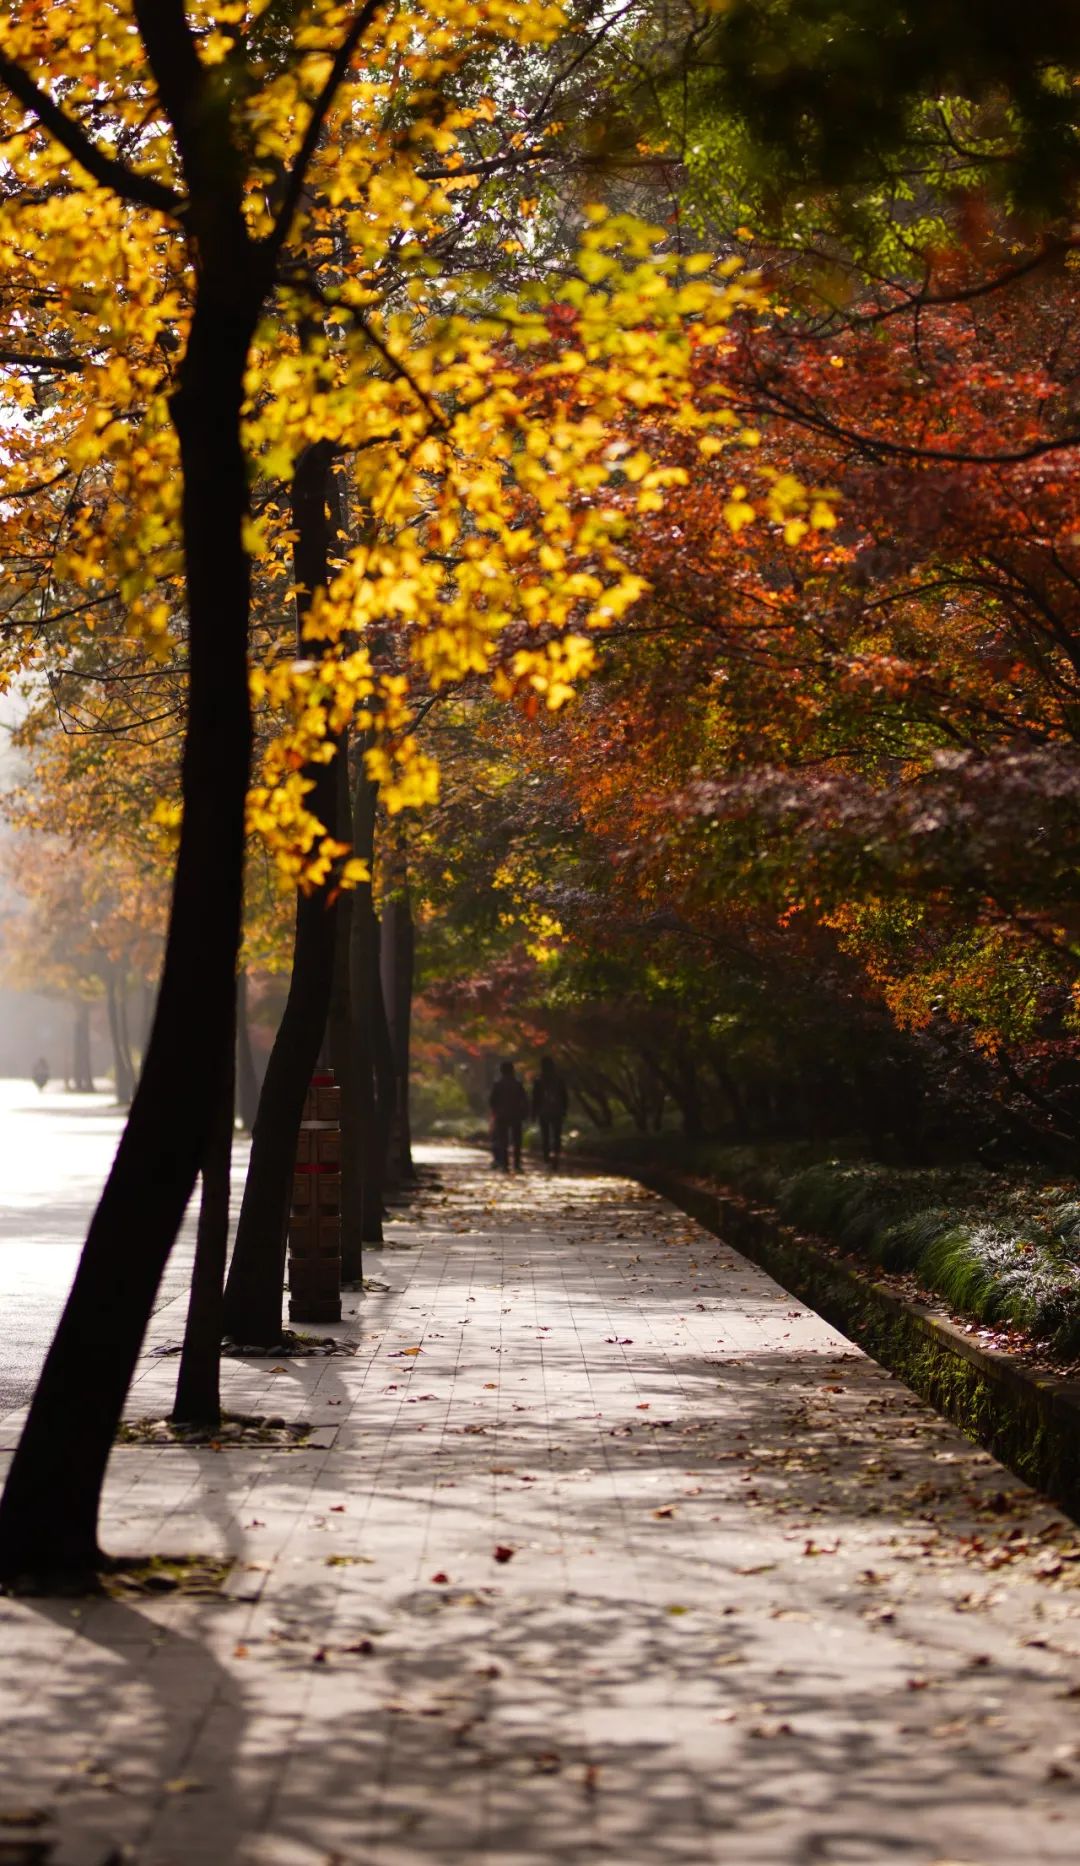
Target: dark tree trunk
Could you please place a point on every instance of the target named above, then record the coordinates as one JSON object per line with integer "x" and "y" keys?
{"x": 257, "y": 1271}
{"x": 385, "y": 1067}
{"x": 398, "y": 967}
{"x": 344, "y": 1059}
{"x": 363, "y": 960}
{"x": 147, "y": 994}
{"x": 730, "y": 1088}
{"x": 48, "y": 1515}
{"x": 629, "y": 1087}
{"x": 82, "y": 1074}
{"x": 592, "y": 1093}
{"x": 688, "y": 1098}
{"x": 681, "y": 1083}
{"x": 121, "y": 1066}
{"x": 124, "y": 1027}
{"x": 198, "y": 1384}
{"x": 247, "y": 1084}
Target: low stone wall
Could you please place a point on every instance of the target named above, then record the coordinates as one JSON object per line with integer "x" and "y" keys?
{"x": 1030, "y": 1420}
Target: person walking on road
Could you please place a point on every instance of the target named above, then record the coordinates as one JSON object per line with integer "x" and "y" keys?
{"x": 509, "y": 1105}
{"x": 549, "y": 1104}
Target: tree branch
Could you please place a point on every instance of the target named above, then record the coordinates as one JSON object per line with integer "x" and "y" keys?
{"x": 123, "y": 181}
{"x": 294, "y": 187}
{"x": 179, "y": 76}
{"x": 785, "y": 408}
{"x": 19, "y": 359}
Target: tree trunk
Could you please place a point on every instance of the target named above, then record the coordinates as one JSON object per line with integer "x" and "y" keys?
{"x": 398, "y": 968}
{"x": 198, "y": 1384}
{"x": 681, "y": 1083}
{"x": 344, "y": 1059}
{"x": 82, "y": 1074}
{"x": 730, "y": 1088}
{"x": 363, "y": 958}
{"x": 592, "y": 1093}
{"x": 247, "y": 1084}
{"x": 257, "y": 1271}
{"x": 385, "y": 1067}
{"x": 124, "y": 1028}
{"x": 147, "y": 994}
{"x": 49, "y": 1510}
{"x": 121, "y": 1069}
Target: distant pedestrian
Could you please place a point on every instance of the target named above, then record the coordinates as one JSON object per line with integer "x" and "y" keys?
{"x": 39, "y": 1074}
{"x": 509, "y": 1105}
{"x": 549, "y": 1104}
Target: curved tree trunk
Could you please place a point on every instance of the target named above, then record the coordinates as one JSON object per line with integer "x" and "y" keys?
{"x": 247, "y": 1085}
{"x": 363, "y": 959}
{"x": 48, "y": 1514}
{"x": 397, "y": 960}
{"x": 256, "y": 1274}
{"x": 147, "y": 995}
{"x": 124, "y": 1026}
{"x": 122, "y": 1073}
{"x": 385, "y": 1068}
{"x": 344, "y": 1059}
{"x": 198, "y": 1383}
{"x": 82, "y": 1074}
{"x": 681, "y": 1083}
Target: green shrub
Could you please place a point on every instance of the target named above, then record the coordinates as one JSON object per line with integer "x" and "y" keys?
{"x": 435, "y": 1101}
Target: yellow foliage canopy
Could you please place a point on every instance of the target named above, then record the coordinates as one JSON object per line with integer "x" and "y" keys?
{"x": 491, "y": 447}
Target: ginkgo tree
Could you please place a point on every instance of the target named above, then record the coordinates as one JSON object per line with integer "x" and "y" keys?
{"x": 213, "y": 250}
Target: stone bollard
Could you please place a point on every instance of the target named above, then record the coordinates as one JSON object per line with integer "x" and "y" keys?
{"x": 315, "y": 1218}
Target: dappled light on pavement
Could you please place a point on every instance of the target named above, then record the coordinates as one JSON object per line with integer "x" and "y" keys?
{"x": 605, "y": 1549}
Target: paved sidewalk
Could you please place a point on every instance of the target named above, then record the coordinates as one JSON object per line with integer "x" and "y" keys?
{"x": 606, "y": 1551}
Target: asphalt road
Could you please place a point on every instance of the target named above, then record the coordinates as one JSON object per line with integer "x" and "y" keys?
{"x": 55, "y": 1153}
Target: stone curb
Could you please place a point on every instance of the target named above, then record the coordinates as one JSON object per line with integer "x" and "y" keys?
{"x": 1029, "y": 1420}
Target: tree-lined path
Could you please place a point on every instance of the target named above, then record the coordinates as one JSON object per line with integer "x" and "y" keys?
{"x": 604, "y": 1549}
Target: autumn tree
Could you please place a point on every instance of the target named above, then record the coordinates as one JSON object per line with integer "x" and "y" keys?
{"x": 167, "y": 267}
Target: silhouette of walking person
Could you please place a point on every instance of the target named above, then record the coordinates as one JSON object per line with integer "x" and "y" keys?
{"x": 509, "y": 1105}
{"x": 550, "y": 1101}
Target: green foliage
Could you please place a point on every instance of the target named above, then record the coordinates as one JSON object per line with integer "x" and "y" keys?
{"x": 735, "y": 180}
{"x": 439, "y": 1104}
{"x": 830, "y": 84}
